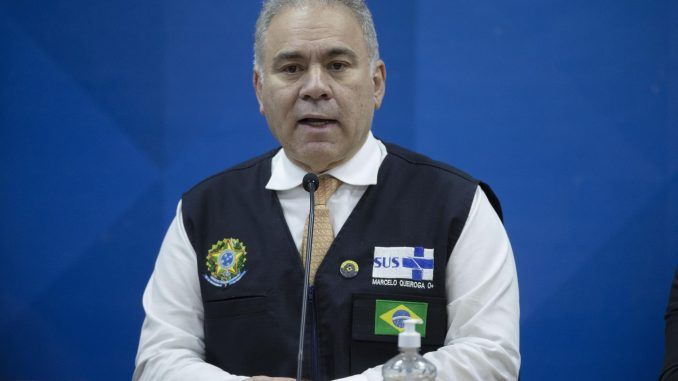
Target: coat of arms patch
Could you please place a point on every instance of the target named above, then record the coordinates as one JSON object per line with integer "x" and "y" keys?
{"x": 226, "y": 262}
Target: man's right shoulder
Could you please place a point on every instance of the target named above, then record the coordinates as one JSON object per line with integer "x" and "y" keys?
{"x": 248, "y": 171}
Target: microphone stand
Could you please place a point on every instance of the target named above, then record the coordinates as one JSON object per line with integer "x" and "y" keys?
{"x": 310, "y": 183}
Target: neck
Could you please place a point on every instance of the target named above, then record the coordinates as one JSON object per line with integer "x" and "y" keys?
{"x": 409, "y": 350}
{"x": 322, "y": 166}
{"x": 316, "y": 167}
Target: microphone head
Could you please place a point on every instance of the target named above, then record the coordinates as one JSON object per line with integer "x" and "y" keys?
{"x": 311, "y": 181}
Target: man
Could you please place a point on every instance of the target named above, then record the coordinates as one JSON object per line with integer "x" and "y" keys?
{"x": 397, "y": 234}
{"x": 670, "y": 368}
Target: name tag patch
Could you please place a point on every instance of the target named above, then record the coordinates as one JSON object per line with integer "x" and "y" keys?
{"x": 403, "y": 266}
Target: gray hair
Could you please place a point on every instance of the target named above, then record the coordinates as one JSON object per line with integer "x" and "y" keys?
{"x": 271, "y": 8}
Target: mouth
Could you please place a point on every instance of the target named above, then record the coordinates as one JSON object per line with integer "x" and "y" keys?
{"x": 317, "y": 122}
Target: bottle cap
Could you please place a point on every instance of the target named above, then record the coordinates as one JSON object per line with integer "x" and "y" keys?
{"x": 410, "y": 338}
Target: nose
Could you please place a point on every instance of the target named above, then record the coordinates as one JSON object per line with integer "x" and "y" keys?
{"x": 315, "y": 86}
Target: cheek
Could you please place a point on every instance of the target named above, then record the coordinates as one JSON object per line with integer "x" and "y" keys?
{"x": 359, "y": 99}
{"x": 363, "y": 103}
{"x": 279, "y": 105}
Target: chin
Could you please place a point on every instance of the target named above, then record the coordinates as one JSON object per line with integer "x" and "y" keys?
{"x": 319, "y": 156}
{"x": 319, "y": 150}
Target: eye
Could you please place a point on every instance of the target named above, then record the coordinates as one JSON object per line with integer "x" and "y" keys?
{"x": 291, "y": 69}
{"x": 338, "y": 66}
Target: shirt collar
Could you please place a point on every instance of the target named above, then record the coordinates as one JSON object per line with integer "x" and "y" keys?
{"x": 361, "y": 169}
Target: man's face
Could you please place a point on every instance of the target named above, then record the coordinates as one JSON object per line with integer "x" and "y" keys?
{"x": 316, "y": 88}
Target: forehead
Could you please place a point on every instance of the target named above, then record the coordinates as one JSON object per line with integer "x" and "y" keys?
{"x": 312, "y": 28}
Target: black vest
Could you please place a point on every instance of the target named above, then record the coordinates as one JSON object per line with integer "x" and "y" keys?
{"x": 251, "y": 321}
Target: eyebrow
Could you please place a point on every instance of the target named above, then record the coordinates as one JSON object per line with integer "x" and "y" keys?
{"x": 335, "y": 52}
{"x": 293, "y": 55}
{"x": 287, "y": 56}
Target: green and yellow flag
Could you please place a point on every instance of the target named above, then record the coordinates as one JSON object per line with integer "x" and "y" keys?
{"x": 390, "y": 316}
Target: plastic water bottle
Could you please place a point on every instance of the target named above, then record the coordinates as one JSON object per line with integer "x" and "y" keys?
{"x": 409, "y": 365}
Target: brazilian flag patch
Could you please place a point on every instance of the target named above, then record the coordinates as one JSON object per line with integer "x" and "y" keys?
{"x": 390, "y": 316}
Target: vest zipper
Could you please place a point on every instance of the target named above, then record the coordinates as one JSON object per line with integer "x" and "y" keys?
{"x": 314, "y": 332}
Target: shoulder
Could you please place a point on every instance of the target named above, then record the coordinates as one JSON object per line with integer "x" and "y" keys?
{"x": 418, "y": 166}
{"x": 418, "y": 162}
{"x": 247, "y": 174}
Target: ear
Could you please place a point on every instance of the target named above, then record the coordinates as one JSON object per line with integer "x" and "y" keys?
{"x": 257, "y": 82}
{"x": 379, "y": 78}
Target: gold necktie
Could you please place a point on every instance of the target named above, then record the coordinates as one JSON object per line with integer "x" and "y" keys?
{"x": 322, "y": 227}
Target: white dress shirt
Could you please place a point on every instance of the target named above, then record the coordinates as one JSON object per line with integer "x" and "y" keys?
{"x": 482, "y": 341}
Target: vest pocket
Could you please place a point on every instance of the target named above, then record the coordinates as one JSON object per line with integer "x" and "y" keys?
{"x": 237, "y": 328}
{"x": 247, "y": 305}
{"x": 371, "y": 347}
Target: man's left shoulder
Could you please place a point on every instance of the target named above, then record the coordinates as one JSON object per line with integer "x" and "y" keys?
{"x": 419, "y": 161}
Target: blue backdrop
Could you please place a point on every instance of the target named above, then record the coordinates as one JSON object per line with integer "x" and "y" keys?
{"x": 109, "y": 110}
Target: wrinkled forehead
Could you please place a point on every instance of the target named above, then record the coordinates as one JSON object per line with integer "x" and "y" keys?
{"x": 314, "y": 30}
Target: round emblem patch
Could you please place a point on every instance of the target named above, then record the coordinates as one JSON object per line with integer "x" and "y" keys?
{"x": 399, "y": 318}
{"x": 349, "y": 269}
{"x": 226, "y": 262}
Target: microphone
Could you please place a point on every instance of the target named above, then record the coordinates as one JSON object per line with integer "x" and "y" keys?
{"x": 310, "y": 183}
